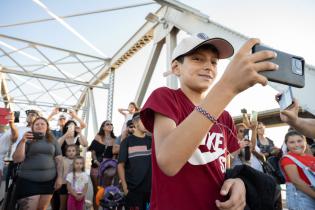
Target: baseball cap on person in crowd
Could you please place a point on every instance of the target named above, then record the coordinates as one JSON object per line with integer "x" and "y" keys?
{"x": 129, "y": 123}
{"x": 187, "y": 45}
{"x": 136, "y": 116}
{"x": 62, "y": 117}
{"x": 32, "y": 111}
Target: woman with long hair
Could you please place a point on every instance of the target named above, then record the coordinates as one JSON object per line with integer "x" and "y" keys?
{"x": 300, "y": 195}
{"x": 72, "y": 135}
{"x": 40, "y": 172}
{"x": 128, "y": 113}
{"x": 101, "y": 148}
{"x": 266, "y": 145}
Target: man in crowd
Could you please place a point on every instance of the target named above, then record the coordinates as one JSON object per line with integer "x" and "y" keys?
{"x": 134, "y": 168}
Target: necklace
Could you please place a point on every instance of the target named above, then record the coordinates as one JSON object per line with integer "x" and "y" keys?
{"x": 107, "y": 140}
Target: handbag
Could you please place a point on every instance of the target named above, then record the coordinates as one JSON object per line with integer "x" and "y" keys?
{"x": 273, "y": 170}
{"x": 307, "y": 171}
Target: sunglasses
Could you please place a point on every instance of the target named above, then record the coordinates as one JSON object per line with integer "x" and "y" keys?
{"x": 107, "y": 124}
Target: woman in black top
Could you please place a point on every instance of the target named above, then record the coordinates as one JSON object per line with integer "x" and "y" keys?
{"x": 72, "y": 135}
{"x": 101, "y": 148}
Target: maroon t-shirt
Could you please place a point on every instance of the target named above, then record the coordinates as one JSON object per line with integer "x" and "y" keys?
{"x": 197, "y": 185}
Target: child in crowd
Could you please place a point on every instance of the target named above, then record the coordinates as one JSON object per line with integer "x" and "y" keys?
{"x": 77, "y": 185}
{"x": 67, "y": 168}
{"x": 192, "y": 134}
{"x": 299, "y": 190}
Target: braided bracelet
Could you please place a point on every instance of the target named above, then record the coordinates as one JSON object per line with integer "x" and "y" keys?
{"x": 206, "y": 114}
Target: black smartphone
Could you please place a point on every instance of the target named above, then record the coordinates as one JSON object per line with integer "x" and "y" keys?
{"x": 246, "y": 134}
{"x": 286, "y": 99}
{"x": 243, "y": 111}
{"x": 38, "y": 135}
{"x": 16, "y": 116}
{"x": 291, "y": 68}
{"x": 62, "y": 109}
{"x": 247, "y": 149}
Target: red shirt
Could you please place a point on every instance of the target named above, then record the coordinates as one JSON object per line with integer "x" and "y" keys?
{"x": 306, "y": 159}
{"x": 197, "y": 185}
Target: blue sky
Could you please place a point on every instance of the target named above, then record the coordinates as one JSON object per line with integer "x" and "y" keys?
{"x": 285, "y": 25}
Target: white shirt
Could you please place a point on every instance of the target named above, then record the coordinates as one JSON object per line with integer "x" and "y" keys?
{"x": 79, "y": 182}
{"x": 5, "y": 142}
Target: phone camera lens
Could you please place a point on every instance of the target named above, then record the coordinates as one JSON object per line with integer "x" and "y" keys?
{"x": 297, "y": 66}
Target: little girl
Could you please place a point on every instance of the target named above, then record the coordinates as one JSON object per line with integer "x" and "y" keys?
{"x": 77, "y": 185}
{"x": 71, "y": 151}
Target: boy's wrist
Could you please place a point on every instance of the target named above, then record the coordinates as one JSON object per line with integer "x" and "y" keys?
{"x": 225, "y": 88}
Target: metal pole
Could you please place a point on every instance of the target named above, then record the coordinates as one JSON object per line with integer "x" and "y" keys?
{"x": 171, "y": 80}
{"x": 93, "y": 109}
{"x": 110, "y": 99}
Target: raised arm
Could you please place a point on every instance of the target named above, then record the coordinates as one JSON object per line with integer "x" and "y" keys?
{"x": 62, "y": 139}
{"x": 304, "y": 125}
{"x": 123, "y": 111}
{"x": 74, "y": 115}
{"x": 19, "y": 154}
{"x": 13, "y": 128}
{"x": 53, "y": 113}
{"x": 175, "y": 145}
{"x": 82, "y": 139}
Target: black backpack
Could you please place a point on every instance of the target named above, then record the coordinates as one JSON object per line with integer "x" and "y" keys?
{"x": 272, "y": 167}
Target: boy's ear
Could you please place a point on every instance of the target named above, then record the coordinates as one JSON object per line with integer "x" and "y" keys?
{"x": 175, "y": 68}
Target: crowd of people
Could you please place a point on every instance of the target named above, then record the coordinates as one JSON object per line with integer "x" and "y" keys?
{"x": 182, "y": 150}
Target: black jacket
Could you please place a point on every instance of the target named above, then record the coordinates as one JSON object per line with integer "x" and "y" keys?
{"x": 262, "y": 192}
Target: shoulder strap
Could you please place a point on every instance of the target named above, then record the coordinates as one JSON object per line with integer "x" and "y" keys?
{"x": 296, "y": 161}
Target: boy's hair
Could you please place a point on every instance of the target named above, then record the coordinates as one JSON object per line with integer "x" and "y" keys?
{"x": 136, "y": 116}
{"x": 210, "y": 47}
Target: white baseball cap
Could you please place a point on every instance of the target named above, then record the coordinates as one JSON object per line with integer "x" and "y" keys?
{"x": 225, "y": 48}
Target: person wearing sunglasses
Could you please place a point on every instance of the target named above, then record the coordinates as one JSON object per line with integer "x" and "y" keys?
{"x": 130, "y": 128}
{"x": 102, "y": 149}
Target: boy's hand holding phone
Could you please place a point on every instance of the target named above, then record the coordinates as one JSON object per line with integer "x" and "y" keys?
{"x": 243, "y": 71}
{"x": 291, "y": 68}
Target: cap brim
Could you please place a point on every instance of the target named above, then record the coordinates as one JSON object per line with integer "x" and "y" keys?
{"x": 224, "y": 47}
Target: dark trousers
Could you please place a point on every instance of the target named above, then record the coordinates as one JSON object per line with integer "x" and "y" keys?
{"x": 137, "y": 200}
{"x": 11, "y": 173}
{"x": 55, "y": 201}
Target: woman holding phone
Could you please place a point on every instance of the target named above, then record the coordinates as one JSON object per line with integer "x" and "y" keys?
{"x": 72, "y": 135}
{"x": 40, "y": 172}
